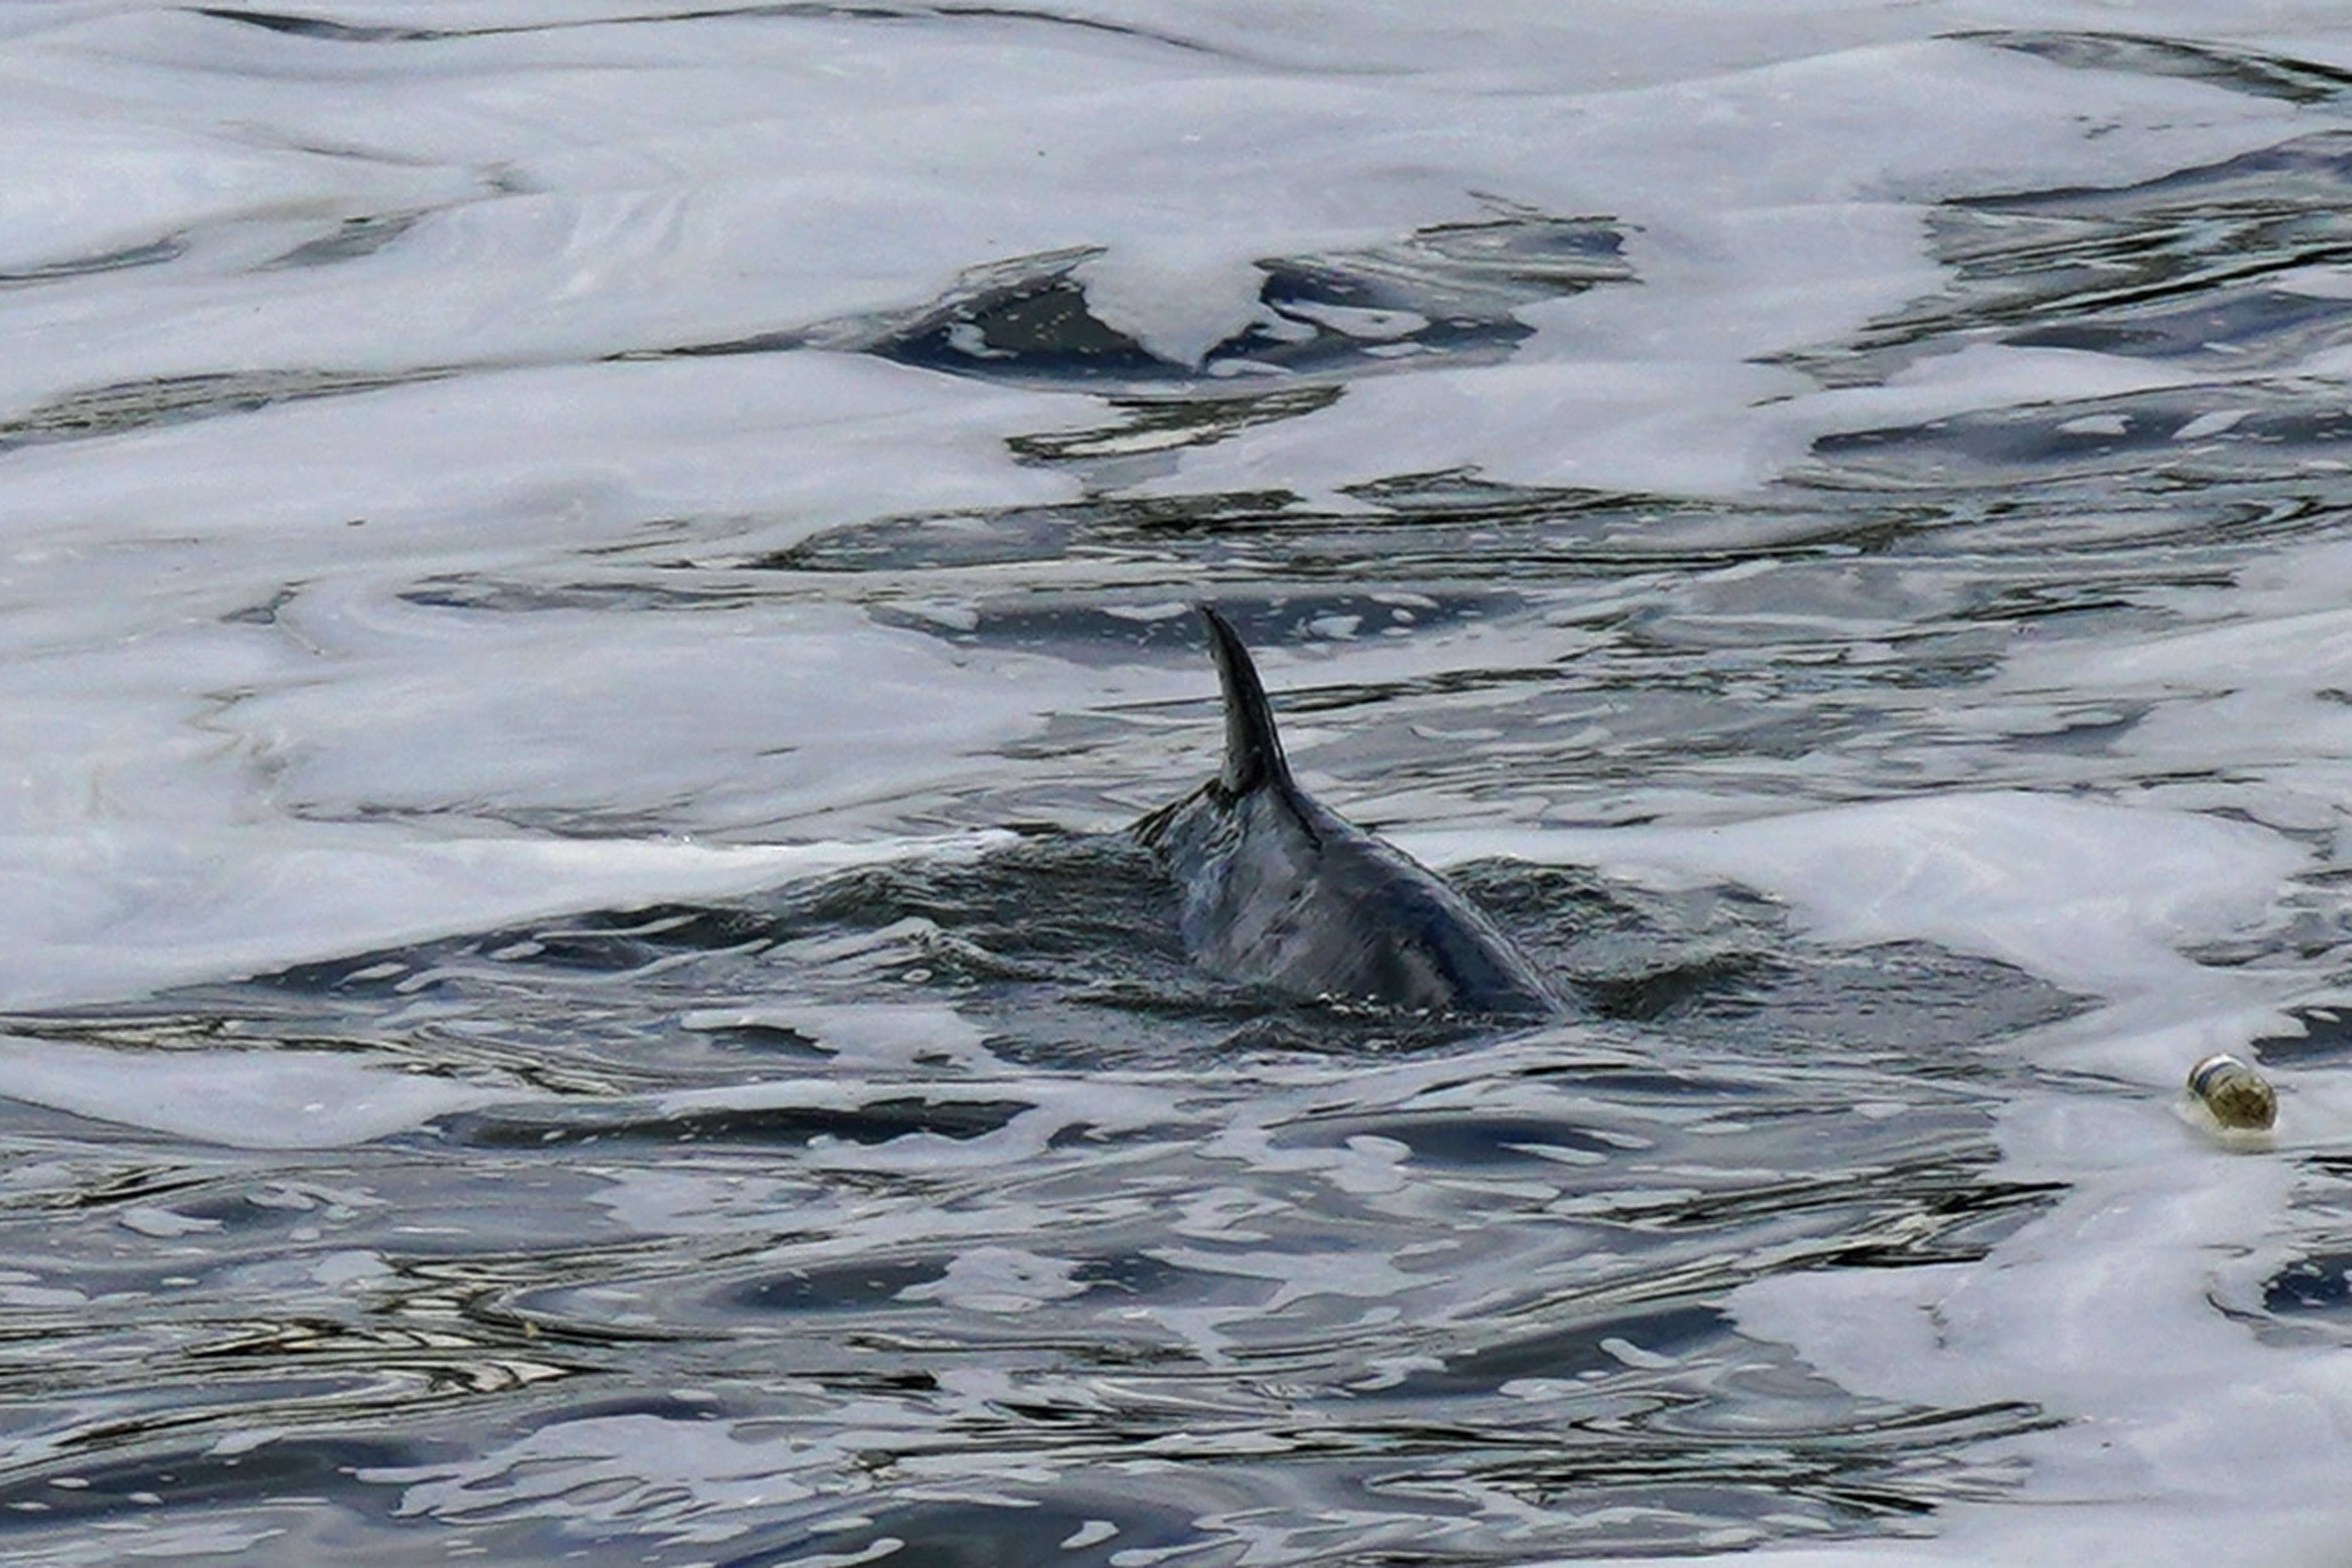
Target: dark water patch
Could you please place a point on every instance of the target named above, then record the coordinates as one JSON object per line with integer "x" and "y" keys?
{"x": 1052, "y": 900}
{"x": 2325, "y": 1039}
{"x": 769, "y": 1040}
{"x": 1150, "y": 426}
{"x": 876, "y": 1121}
{"x": 1233, "y": 534}
{"x": 1446, "y": 291}
{"x": 2293, "y": 321}
{"x": 2117, "y": 603}
{"x": 2320, "y": 1284}
{"x": 1925, "y": 1005}
{"x": 1898, "y": 1215}
{"x": 1645, "y": 1486}
{"x": 1459, "y": 1138}
{"x": 1025, "y": 318}
{"x": 1661, "y": 995}
{"x": 1047, "y": 939}
{"x": 614, "y": 940}
{"x": 352, "y": 240}
{"x": 82, "y": 1181}
{"x": 1875, "y": 1186}
{"x": 295, "y": 25}
{"x": 1887, "y": 562}
{"x": 847, "y": 1318}
{"x": 1620, "y": 940}
{"x": 615, "y": 595}
{"x": 857, "y": 1286}
{"x": 313, "y": 1366}
{"x": 264, "y": 611}
{"x": 128, "y": 406}
{"x": 399, "y": 1010}
{"x": 2196, "y": 267}
{"x": 152, "y": 253}
{"x": 1414, "y": 1493}
{"x": 2156, "y": 436}
{"x": 1080, "y": 1527}
{"x": 1087, "y": 630}
{"x": 1635, "y": 681}
{"x": 2305, "y": 1298}
{"x": 593, "y": 943}
{"x": 300, "y": 25}
{"x": 2261, "y": 73}
{"x": 890, "y": 1283}
{"x": 2172, "y": 537}
{"x": 186, "y": 1429}
{"x": 1106, "y": 530}
{"x": 86, "y": 1491}
{"x": 1598, "y": 1345}
{"x": 1719, "y": 965}
{"x": 1320, "y": 316}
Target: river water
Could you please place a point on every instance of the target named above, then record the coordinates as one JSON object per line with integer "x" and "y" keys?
{"x": 589, "y": 587}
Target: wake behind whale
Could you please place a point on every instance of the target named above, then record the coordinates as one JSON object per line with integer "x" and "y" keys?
{"x": 1280, "y": 892}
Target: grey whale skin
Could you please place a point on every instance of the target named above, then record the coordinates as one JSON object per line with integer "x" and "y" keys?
{"x": 1279, "y": 891}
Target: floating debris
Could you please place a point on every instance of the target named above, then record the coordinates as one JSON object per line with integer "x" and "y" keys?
{"x": 2238, "y": 1097}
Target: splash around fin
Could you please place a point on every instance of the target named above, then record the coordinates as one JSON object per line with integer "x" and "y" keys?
{"x": 1280, "y": 892}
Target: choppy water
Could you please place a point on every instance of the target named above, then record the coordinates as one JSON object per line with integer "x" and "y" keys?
{"x": 588, "y": 589}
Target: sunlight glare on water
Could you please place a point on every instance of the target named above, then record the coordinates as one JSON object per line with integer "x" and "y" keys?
{"x": 588, "y": 592}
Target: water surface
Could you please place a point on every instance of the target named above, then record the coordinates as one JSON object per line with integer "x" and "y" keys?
{"x": 588, "y": 593}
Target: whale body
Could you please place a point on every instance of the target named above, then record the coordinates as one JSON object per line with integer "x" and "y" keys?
{"x": 1279, "y": 892}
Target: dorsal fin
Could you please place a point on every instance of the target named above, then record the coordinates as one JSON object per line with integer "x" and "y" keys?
{"x": 1253, "y": 751}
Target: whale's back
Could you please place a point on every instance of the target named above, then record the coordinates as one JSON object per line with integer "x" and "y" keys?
{"x": 1277, "y": 890}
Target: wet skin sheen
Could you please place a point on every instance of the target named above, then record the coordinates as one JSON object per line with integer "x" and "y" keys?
{"x": 1282, "y": 893}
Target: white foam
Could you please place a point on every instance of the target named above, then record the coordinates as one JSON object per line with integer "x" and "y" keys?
{"x": 2096, "y": 897}
{"x": 2244, "y": 689}
{"x": 98, "y": 917}
{"x": 682, "y": 1479}
{"x": 246, "y": 721}
{"x": 2102, "y": 1312}
{"x": 239, "y": 1100}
